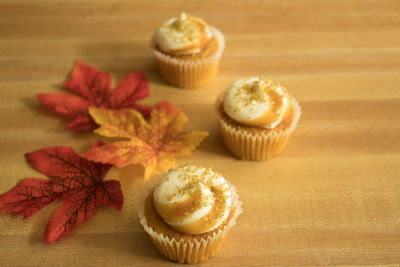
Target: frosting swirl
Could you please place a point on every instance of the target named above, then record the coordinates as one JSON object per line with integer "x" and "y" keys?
{"x": 193, "y": 199}
{"x": 256, "y": 102}
{"x": 182, "y": 36}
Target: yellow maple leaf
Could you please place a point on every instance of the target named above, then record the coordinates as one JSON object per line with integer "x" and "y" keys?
{"x": 153, "y": 144}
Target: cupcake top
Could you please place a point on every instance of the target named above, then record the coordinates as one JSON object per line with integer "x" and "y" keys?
{"x": 193, "y": 199}
{"x": 256, "y": 102}
{"x": 184, "y": 35}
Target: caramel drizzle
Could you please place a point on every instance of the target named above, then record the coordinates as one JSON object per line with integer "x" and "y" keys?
{"x": 253, "y": 92}
{"x": 274, "y": 111}
{"x": 180, "y": 26}
{"x": 208, "y": 221}
{"x": 178, "y": 211}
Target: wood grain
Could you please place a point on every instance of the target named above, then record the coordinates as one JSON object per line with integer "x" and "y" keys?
{"x": 331, "y": 198}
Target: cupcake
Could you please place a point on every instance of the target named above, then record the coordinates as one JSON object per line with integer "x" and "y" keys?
{"x": 187, "y": 51}
{"x": 257, "y": 117}
{"x": 188, "y": 213}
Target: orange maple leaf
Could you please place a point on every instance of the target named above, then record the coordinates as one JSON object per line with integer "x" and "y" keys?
{"x": 153, "y": 144}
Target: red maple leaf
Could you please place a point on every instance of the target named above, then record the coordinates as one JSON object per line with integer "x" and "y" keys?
{"x": 94, "y": 90}
{"x": 77, "y": 181}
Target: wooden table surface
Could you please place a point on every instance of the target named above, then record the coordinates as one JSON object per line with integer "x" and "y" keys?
{"x": 331, "y": 198}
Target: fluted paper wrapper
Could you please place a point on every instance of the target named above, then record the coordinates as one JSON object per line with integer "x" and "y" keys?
{"x": 190, "y": 249}
{"x": 190, "y": 73}
{"x": 260, "y": 146}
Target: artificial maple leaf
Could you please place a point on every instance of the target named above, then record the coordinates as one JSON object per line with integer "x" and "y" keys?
{"x": 94, "y": 90}
{"x": 153, "y": 144}
{"x": 76, "y": 180}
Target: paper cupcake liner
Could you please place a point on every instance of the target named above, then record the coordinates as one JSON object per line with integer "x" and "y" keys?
{"x": 259, "y": 146}
{"x": 191, "y": 249}
{"x": 190, "y": 73}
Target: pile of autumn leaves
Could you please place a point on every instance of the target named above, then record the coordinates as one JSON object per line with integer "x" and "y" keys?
{"x": 152, "y": 137}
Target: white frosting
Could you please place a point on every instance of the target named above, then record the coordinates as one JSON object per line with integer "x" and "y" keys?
{"x": 180, "y": 184}
{"x": 249, "y": 106}
{"x": 180, "y": 35}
